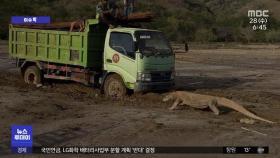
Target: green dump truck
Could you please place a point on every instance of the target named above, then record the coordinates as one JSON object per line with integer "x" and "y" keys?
{"x": 113, "y": 59}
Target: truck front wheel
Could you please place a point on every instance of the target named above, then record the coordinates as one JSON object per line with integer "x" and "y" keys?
{"x": 32, "y": 75}
{"x": 114, "y": 87}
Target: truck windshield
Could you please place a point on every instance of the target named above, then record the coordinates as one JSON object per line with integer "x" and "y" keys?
{"x": 152, "y": 43}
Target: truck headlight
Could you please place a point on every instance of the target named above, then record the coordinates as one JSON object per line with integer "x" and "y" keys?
{"x": 144, "y": 77}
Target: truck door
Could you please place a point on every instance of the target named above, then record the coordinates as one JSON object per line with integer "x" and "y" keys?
{"x": 120, "y": 56}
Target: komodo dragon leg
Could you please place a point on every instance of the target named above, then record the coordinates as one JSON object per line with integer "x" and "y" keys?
{"x": 213, "y": 106}
{"x": 175, "y": 104}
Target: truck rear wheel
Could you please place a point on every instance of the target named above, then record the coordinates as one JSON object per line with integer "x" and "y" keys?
{"x": 114, "y": 87}
{"x": 32, "y": 75}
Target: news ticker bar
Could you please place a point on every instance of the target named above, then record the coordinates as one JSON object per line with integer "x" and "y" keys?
{"x": 148, "y": 150}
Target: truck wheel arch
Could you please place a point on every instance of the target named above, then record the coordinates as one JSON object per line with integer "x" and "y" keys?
{"x": 28, "y": 63}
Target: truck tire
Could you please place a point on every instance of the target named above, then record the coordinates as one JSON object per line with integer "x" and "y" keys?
{"x": 32, "y": 75}
{"x": 114, "y": 87}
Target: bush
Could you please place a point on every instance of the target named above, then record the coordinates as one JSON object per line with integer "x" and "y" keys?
{"x": 273, "y": 36}
{"x": 205, "y": 35}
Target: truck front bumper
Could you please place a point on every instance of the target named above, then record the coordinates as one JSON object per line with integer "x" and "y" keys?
{"x": 153, "y": 86}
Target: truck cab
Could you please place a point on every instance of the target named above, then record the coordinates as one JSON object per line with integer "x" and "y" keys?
{"x": 142, "y": 59}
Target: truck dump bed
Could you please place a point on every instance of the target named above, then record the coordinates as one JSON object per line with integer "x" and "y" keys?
{"x": 81, "y": 48}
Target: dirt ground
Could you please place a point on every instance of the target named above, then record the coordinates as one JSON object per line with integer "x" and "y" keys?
{"x": 72, "y": 114}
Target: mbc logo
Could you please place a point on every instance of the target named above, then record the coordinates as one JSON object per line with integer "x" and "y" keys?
{"x": 258, "y": 13}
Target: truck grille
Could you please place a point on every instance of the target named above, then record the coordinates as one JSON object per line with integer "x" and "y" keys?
{"x": 161, "y": 76}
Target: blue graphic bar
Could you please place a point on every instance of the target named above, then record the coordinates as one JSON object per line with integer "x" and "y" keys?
{"x": 21, "y": 139}
{"x": 30, "y": 19}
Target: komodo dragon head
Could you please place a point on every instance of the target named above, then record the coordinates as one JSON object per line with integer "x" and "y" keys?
{"x": 168, "y": 97}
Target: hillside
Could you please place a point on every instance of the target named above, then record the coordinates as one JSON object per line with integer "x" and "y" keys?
{"x": 214, "y": 20}
{"x": 181, "y": 20}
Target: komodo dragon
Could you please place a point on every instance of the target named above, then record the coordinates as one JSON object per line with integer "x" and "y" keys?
{"x": 204, "y": 101}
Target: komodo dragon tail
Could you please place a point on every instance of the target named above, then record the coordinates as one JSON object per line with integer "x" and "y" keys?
{"x": 231, "y": 104}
